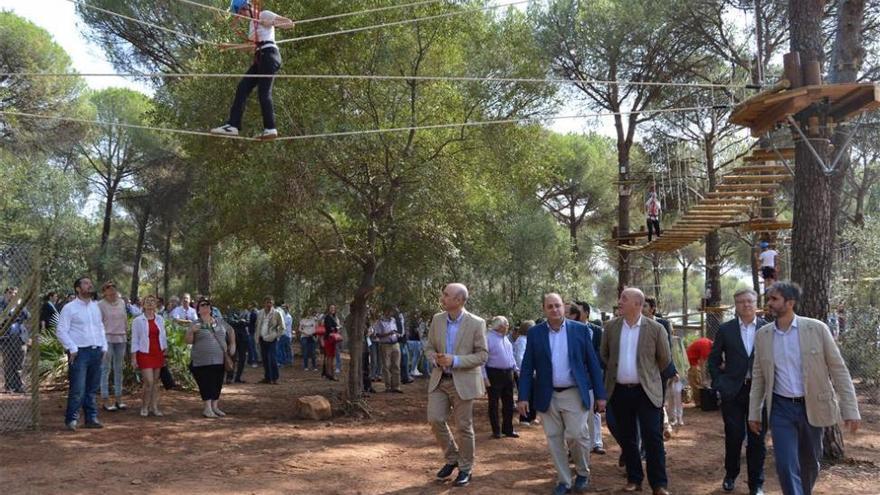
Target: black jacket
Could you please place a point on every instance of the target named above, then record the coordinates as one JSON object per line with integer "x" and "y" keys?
{"x": 728, "y": 349}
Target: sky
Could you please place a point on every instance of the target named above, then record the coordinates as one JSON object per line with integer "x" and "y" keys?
{"x": 59, "y": 18}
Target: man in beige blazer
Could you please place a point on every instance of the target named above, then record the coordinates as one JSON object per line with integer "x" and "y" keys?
{"x": 800, "y": 377}
{"x": 635, "y": 351}
{"x": 456, "y": 346}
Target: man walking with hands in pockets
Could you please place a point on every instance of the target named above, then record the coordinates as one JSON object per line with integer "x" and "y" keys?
{"x": 456, "y": 345}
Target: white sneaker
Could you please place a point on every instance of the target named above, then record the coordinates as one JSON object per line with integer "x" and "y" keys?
{"x": 267, "y": 134}
{"x": 225, "y": 130}
{"x": 415, "y": 373}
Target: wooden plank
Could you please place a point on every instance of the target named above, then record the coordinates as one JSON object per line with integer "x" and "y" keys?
{"x": 862, "y": 100}
{"x": 758, "y": 169}
{"x": 776, "y": 114}
{"x": 756, "y": 178}
{"x": 769, "y": 155}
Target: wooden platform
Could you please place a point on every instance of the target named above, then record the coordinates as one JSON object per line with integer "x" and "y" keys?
{"x": 735, "y": 202}
{"x": 764, "y": 111}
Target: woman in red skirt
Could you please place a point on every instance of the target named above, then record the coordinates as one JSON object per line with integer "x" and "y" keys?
{"x": 148, "y": 344}
{"x": 330, "y": 340}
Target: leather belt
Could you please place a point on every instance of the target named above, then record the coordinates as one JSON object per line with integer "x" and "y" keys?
{"x": 795, "y": 400}
{"x": 561, "y": 389}
{"x": 628, "y": 385}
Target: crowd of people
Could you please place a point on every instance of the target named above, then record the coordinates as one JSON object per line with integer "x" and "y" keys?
{"x": 784, "y": 373}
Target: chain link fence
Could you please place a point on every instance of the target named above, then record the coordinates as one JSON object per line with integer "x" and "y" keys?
{"x": 19, "y": 338}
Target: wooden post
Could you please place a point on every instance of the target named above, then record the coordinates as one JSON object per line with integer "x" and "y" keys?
{"x": 792, "y": 69}
{"x": 812, "y": 73}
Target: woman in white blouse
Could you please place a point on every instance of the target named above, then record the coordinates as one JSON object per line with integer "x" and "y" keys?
{"x": 148, "y": 344}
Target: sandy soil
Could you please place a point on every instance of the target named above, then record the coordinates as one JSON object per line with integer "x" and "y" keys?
{"x": 260, "y": 449}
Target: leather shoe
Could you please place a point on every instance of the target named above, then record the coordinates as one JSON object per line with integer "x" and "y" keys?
{"x": 758, "y": 490}
{"x": 463, "y": 478}
{"x": 598, "y": 450}
{"x": 94, "y": 424}
{"x": 632, "y": 487}
{"x": 512, "y": 434}
{"x": 446, "y": 471}
{"x": 561, "y": 489}
{"x": 728, "y": 484}
{"x": 581, "y": 483}
{"x": 661, "y": 490}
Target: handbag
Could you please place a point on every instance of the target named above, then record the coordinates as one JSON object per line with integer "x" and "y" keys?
{"x": 228, "y": 361}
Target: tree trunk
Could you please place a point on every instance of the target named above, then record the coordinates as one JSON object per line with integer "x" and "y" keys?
{"x": 356, "y": 325}
{"x": 103, "y": 254}
{"x": 573, "y": 229}
{"x": 713, "y": 248}
{"x": 139, "y": 253}
{"x": 279, "y": 289}
{"x": 204, "y": 267}
{"x": 684, "y": 294}
{"x": 623, "y": 205}
{"x": 166, "y": 261}
{"x": 655, "y": 268}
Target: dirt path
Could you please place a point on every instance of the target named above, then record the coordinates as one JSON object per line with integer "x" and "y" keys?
{"x": 260, "y": 449}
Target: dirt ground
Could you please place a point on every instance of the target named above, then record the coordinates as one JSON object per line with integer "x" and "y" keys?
{"x": 260, "y": 449}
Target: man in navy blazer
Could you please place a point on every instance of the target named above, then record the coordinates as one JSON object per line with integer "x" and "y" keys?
{"x": 730, "y": 365}
{"x": 562, "y": 366}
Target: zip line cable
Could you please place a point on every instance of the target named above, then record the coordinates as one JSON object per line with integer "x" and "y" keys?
{"x": 145, "y": 23}
{"x": 352, "y": 133}
{"x": 315, "y": 19}
{"x": 400, "y": 23}
{"x": 171, "y": 75}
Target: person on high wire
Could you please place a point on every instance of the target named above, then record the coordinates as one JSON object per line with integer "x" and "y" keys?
{"x": 267, "y": 61}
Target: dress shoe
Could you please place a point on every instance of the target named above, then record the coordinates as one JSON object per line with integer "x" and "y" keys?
{"x": 463, "y": 478}
{"x": 758, "y": 490}
{"x": 581, "y": 483}
{"x": 728, "y": 484}
{"x": 94, "y": 424}
{"x": 446, "y": 471}
{"x": 632, "y": 487}
{"x": 512, "y": 434}
{"x": 661, "y": 490}
{"x": 561, "y": 489}
{"x": 598, "y": 450}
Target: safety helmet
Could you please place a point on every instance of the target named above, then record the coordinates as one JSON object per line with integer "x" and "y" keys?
{"x": 236, "y": 5}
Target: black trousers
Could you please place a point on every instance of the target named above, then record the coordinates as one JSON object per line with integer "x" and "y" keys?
{"x": 266, "y": 62}
{"x": 241, "y": 355}
{"x": 12, "y": 349}
{"x": 209, "y": 378}
{"x": 500, "y": 388}
{"x": 653, "y": 225}
{"x": 736, "y": 413}
{"x": 635, "y": 414}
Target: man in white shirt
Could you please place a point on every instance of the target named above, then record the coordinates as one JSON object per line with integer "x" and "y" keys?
{"x": 636, "y": 351}
{"x": 184, "y": 315}
{"x": 768, "y": 264}
{"x": 81, "y": 332}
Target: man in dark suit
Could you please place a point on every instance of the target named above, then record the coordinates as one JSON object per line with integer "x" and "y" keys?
{"x": 562, "y": 367}
{"x": 635, "y": 350}
{"x": 730, "y": 365}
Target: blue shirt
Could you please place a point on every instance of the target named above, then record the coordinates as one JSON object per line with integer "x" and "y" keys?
{"x": 562, "y": 376}
{"x": 788, "y": 378}
{"x": 500, "y": 352}
{"x": 452, "y": 327}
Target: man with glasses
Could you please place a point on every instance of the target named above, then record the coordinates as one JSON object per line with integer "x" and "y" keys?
{"x": 730, "y": 365}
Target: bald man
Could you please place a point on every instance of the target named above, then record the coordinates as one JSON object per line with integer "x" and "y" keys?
{"x": 456, "y": 345}
{"x": 635, "y": 351}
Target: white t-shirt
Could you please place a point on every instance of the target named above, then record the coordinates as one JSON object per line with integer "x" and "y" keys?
{"x": 181, "y": 313}
{"x": 768, "y": 258}
{"x": 264, "y": 33}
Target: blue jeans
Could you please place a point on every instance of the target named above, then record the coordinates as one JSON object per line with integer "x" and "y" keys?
{"x": 115, "y": 359}
{"x": 85, "y": 379}
{"x": 270, "y": 365}
{"x": 283, "y": 355}
{"x": 797, "y": 446}
{"x": 252, "y": 349}
{"x": 414, "y": 348}
{"x": 308, "y": 350}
